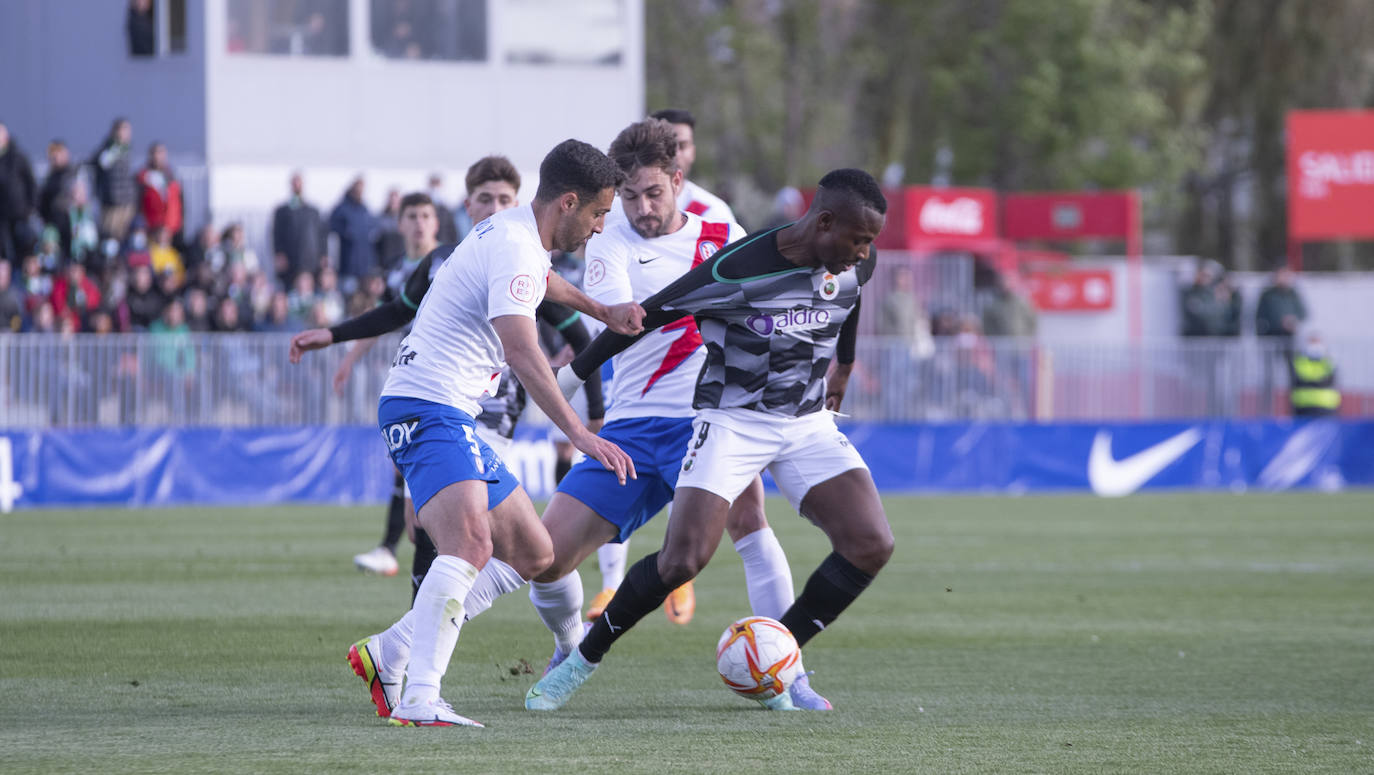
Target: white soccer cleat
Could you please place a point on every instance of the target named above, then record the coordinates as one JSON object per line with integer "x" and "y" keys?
{"x": 384, "y": 686}
{"x": 557, "y": 686}
{"x": 380, "y": 561}
{"x": 435, "y": 713}
{"x": 806, "y": 698}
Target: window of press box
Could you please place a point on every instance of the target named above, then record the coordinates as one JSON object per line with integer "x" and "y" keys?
{"x": 287, "y": 27}
{"x": 156, "y": 27}
{"x": 557, "y": 32}
{"x": 446, "y": 30}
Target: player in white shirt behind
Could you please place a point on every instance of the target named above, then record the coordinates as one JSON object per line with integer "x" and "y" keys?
{"x": 477, "y": 317}
{"x": 692, "y": 198}
{"x": 695, "y": 200}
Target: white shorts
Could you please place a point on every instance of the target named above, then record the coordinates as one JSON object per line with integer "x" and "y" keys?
{"x": 730, "y": 446}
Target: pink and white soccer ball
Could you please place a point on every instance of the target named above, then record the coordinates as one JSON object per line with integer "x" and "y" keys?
{"x": 757, "y": 657}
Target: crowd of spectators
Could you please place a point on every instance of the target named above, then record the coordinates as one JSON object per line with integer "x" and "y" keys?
{"x": 102, "y": 246}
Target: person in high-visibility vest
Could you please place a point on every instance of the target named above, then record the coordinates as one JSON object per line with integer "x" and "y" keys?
{"x": 1313, "y": 392}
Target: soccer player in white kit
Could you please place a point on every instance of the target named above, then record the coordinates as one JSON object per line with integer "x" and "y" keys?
{"x": 477, "y": 317}
{"x": 691, "y": 198}
{"x": 775, "y": 310}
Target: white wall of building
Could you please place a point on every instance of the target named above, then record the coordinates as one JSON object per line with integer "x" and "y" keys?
{"x": 396, "y": 120}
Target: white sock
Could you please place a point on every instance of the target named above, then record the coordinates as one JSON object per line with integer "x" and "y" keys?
{"x": 438, "y": 616}
{"x": 496, "y": 579}
{"x": 611, "y": 558}
{"x": 396, "y": 643}
{"x": 766, "y": 575}
{"x": 559, "y": 604}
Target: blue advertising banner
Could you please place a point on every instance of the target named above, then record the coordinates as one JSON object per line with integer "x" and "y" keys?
{"x": 166, "y": 466}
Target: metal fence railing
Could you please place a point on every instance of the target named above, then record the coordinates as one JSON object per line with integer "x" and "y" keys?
{"x": 954, "y": 378}
{"x": 245, "y": 380}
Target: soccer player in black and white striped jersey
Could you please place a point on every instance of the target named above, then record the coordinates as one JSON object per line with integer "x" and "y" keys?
{"x": 774, "y": 310}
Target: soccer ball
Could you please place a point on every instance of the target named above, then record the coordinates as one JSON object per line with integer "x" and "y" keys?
{"x": 757, "y": 657}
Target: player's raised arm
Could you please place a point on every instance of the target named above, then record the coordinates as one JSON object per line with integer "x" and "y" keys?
{"x": 381, "y": 319}
{"x": 520, "y": 341}
{"x": 622, "y": 318}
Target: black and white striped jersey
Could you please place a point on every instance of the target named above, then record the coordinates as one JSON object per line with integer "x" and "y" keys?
{"x": 771, "y": 328}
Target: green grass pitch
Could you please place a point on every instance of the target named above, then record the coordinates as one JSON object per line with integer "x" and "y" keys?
{"x": 1159, "y": 634}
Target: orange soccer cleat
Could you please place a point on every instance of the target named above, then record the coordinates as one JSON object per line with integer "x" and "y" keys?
{"x": 681, "y": 604}
{"x": 598, "y": 604}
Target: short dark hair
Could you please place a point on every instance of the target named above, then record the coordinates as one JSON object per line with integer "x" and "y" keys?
{"x": 675, "y": 116}
{"x": 648, "y": 143}
{"x": 489, "y": 168}
{"x": 416, "y": 199}
{"x": 575, "y": 166}
{"x": 849, "y": 184}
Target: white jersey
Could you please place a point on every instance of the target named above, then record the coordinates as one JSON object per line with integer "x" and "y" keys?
{"x": 452, "y": 355}
{"x": 698, "y": 201}
{"x": 656, "y": 376}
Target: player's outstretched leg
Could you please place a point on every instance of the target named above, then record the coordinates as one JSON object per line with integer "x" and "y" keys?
{"x": 687, "y": 548}
{"x": 456, "y": 518}
{"x": 768, "y": 577}
{"x": 848, "y": 509}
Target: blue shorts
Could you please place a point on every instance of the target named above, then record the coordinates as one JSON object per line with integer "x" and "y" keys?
{"x": 434, "y": 446}
{"x": 657, "y": 445}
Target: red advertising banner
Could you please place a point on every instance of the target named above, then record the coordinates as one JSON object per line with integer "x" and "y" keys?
{"x": 1069, "y": 216}
{"x": 1330, "y": 174}
{"x": 951, "y": 216}
{"x": 1071, "y": 290}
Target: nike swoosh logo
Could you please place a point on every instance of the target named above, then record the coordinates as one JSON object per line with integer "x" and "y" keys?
{"x": 1112, "y": 478}
{"x": 647, "y": 260}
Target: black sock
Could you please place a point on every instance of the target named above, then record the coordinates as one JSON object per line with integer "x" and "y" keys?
{"x": 561, "y": 468}
{"x": 395, "y": 515}
{"x": 425, "y": 554}
{"x": 828, "y": 592}
{"x": 639, "y": 594}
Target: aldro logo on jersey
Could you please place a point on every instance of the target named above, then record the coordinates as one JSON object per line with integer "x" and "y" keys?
{"x": 799, "y": 319}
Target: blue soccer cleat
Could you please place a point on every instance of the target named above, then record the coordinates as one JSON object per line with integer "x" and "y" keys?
{"x": 557, "y": 686}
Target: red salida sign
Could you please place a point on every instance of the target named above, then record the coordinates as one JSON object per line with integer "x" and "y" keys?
{"x": 1331, "y": 174}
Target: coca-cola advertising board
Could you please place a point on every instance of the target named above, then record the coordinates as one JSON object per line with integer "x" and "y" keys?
{"x": 950, "y": 216}
{"x": 1331, "y": 174}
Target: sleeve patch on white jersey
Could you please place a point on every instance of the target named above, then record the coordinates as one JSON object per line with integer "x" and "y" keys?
{"x": 522, "y": 288}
